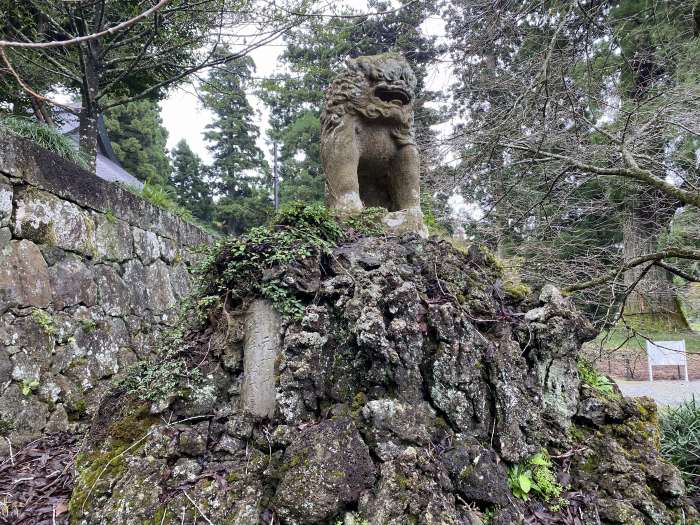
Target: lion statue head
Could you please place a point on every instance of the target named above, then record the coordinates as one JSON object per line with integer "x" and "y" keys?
{"x": 374, "y": 87}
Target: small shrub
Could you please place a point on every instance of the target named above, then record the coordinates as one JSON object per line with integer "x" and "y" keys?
{"x": 89, "y": 325}
{"x": 680, "y": 440}
{"x": 29, "y": 386}
{"x": 535, "y": 476}
{"x": 600, "y": 383}
{"x": 110, "y": 217}
{"x": 234, "y": 266}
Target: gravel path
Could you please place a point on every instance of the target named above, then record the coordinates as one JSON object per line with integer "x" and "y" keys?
{"x": 663, "y": 392}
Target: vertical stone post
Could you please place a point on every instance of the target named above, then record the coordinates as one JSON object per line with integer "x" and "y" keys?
{"x": 261, "y": 348}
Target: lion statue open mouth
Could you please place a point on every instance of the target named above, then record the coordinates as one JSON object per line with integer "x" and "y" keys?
{"x": 368, "y": 148}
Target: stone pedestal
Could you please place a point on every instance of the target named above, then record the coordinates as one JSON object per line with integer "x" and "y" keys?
{"x": 261, "y": 348}
{"x": 404, "y": 221}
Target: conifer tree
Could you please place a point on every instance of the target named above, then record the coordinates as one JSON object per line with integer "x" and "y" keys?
{"x": 188, "y": 179}
{"x": 239, "y": 170}
{"x": 139, "y": 138}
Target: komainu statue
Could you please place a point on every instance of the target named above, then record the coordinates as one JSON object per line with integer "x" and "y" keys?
{"x": 368, "y": 148}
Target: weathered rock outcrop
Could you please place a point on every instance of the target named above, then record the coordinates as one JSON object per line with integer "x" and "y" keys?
{"x": 415, "y": 383}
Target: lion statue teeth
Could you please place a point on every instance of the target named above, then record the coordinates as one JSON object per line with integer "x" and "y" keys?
{"x": 368, "y": 148}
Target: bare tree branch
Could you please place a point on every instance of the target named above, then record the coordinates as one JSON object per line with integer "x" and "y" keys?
{"x": 86, "y": 38}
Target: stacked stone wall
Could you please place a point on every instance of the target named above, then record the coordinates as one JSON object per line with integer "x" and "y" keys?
{"x": 89, "y": 275}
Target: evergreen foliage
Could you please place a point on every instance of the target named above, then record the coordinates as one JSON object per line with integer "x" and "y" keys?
{"x": 239, "y": 169}
{"x": 188, "y": 179}
{"x": 680, "y": 440}
{"x": 139, "y": 140}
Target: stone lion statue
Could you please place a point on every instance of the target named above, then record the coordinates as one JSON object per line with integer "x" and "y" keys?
{"x": 368, "y": 149}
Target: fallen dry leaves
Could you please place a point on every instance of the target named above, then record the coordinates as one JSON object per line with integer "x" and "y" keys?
{"x": 36, "y": 481}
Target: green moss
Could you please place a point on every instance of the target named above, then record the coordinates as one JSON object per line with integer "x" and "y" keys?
{"x": 110, "y": 217}
{"x": 77, "y": 409}
{"x": 577, "y": 433}
{"x": 45, "y": 322}
{"x": 88, "y": 247}
{"x": 493, "y": 260}
{"x": 591, "y": 464}
{"x": 160, "y": 516}
{"x": 6, "y": 426}
{"x": 441, "y": 423}
{"x": 92, "y": 468}
{"x": 517, "y": 291}
{"x": 403, "y": 481}
{"x": 133, "y": 424}
{"x": 358, "y": 401}
{"x": 466, "y": 472}
{"x": 89, "y": 325}
{"x": 43, "y": 233}
{"x": 597, "y": 381}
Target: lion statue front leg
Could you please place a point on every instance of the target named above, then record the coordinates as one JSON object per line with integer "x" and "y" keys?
{"x": 405, "y": 178}
{"x": 340, "y": 156}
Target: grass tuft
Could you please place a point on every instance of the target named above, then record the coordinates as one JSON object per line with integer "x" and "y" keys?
{"x": 680, "y": 440}
{"x": 45, "y": 136}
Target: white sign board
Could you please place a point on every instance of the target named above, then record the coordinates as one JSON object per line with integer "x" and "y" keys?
{"x": 662, "y": 353}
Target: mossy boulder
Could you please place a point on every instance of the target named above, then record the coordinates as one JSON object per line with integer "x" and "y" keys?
{"x": 407, "y": 386}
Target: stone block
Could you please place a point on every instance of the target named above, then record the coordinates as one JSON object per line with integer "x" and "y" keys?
{"x": 158, "y": 288}
{"x": 135, "y": 275}
{"x": 5, "y": 203}
{"x": 168, "y": 250}
{"x": 146, "y": 245}
{"x": 5, "y": 367}
{"x": 326, "y": 466}
{"x": 24, "y": 276}
{"x": 101, "y": 347}
{"x": 5, "y": 238}
{"x": 72, "y": 283}
{"x": 406, "y": 221}
{"x": 113, "y": 238}
{"x": 27, "y": 413}
{"x": 46, "y": 219}
{"x": 180, "y": 280}
{"x": 113, "y": 294}
{"x": 261, "y": 348}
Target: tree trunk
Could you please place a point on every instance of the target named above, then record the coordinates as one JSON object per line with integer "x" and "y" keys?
{"x": 500, "y": 213}
{"x": 89, "y": 112}
{"x": 652, "y": 303}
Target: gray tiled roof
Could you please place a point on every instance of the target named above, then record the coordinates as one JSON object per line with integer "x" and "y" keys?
{"x": 105, "y": 168}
